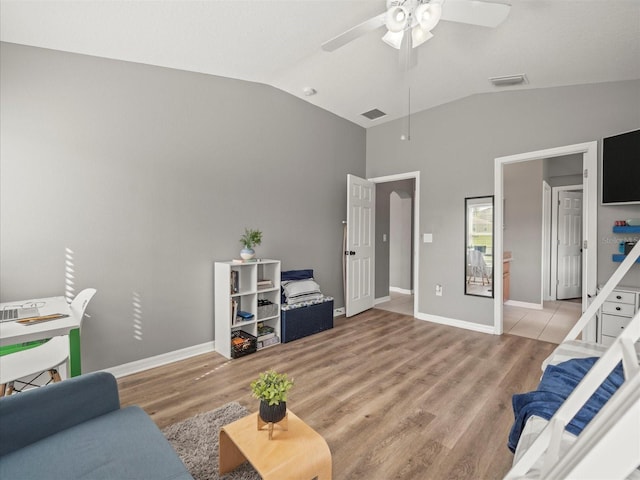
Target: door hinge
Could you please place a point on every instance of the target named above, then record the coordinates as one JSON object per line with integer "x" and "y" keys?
{"x": 584, "y": 244}
{"x": 586, "y": 173}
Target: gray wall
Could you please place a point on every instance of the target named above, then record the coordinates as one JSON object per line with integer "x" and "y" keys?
{"x": 561, "y": 171}
{"x": 383, "y": 211}
{"x": 522, "y": 234}
{"x": 148, "y": 175}
{"x": 454, "y": 146}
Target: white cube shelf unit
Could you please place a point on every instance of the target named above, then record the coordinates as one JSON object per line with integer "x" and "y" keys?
{"x": 245, "y": 287}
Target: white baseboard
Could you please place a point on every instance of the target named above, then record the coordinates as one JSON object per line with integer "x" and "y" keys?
{"x": 452, "y": 322}
{"x": 516, "y": 303}
{"x": 404, "y": 291}
{"x": 381, "y": 300}
{"x": 159, "y": 360}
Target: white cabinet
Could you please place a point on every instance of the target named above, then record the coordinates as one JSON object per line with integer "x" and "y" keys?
{"x": 616, "y": 313}
{"x": 247, "y": 302}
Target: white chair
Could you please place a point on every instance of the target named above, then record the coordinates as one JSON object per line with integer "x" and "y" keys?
{"x": 43, "y": 358}
{"x": 477, "y": 266}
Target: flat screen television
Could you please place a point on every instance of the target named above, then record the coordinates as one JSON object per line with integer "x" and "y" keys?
{"x": 621, "y": 168}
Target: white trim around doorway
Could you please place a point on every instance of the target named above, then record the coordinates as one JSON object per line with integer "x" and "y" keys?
{"x": 416, "y": 226}
{"x": 589, "y": 151}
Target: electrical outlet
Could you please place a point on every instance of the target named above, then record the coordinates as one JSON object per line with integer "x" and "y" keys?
{"x": 338, "y": 311}
{"x": 439, "y": 290}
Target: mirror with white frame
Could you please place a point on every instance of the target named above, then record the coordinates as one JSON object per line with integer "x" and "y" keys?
{"x": 478, "y": 246}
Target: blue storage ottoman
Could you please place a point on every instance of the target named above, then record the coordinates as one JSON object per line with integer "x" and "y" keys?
{"x": 301, "y": 322}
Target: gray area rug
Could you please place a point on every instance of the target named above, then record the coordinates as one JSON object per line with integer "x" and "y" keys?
{"x": 196, "y": 441}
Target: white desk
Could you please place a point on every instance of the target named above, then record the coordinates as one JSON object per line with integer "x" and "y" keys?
{"x": 12, "y": 333}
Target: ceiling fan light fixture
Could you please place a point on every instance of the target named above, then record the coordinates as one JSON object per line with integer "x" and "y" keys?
{"x": 419, "y": 35}
{"x": 393, "y": 39}
{"x": 397, "y": 17}
{"x": 428, "y": 15}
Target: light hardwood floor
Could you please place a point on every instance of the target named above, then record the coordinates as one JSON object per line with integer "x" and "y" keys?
{"x": 395, "y": 397}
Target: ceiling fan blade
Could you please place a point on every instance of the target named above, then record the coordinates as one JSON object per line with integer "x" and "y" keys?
{"x": 355, "y": 32}
{"x": 475, "y": 12}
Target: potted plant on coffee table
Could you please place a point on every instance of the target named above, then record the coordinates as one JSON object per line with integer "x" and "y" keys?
{"x": 271, "y": 388}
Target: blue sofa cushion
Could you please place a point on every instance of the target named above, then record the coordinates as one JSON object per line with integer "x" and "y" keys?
{"x": 35, "y": 414}
{"x": 122, "y": 444}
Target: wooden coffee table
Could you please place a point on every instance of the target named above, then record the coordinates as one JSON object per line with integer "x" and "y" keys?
{"x": 299, "y": 453}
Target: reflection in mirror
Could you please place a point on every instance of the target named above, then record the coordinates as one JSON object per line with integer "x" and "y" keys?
{"x": 478, "y": 230}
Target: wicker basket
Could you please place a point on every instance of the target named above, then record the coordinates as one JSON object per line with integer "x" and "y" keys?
{"x": 248, "y": 345}
{"x": 265, "y": 311}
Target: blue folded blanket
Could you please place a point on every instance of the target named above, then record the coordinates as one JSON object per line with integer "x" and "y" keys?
{"x": 556, "y": 385}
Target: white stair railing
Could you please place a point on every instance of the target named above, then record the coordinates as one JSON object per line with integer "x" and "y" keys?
{"x": 609, "y": 446}
{"x": 615, "y": 430}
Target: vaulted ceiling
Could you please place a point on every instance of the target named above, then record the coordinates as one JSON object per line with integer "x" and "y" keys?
{"x": 278, "y": 42}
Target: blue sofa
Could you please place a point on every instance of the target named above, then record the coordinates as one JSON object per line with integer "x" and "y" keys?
{"x": 76, "y": 429}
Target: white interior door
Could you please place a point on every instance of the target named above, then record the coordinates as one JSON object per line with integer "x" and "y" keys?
{"x": 569, "y": 245}
{"x": 360, "y": 276}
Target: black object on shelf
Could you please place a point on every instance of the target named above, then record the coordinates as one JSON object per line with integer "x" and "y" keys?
{"x": 242, "y": 343}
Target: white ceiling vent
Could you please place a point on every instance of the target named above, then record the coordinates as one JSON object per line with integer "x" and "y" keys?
{"x": 374, "y": 114}
{"x": 509, "y": 80}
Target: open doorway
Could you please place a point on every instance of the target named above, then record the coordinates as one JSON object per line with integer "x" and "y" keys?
{"x": 396, "y": 242}
{"x": 364, "y": 237}
{"x": 543, "y": 226}
{"x": 396, "y": 275}
{"x": 586, "y": 155}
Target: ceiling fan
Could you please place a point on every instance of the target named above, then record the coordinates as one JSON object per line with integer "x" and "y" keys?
{"x": 409, "y": 22}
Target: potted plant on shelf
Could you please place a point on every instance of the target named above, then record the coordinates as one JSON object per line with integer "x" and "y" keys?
{"x": 271, "y": 389}
{"x": 250, "y": 239}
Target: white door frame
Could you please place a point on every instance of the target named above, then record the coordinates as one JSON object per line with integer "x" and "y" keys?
{"x": 589, "y": 151}
{"x": 555, "y": 193}
{"x": 546, "y": 241}
{"x": 416, "y": 226}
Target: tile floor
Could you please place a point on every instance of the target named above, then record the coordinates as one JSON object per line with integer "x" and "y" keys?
{"x": 551, "y": 324}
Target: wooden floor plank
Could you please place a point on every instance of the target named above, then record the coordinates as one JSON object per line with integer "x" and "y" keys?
{"x": 395, "y": 397}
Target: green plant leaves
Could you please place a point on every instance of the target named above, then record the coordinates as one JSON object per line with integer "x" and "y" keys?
{"x": 251, "y": 238}
{"x": 272, "y": 387}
